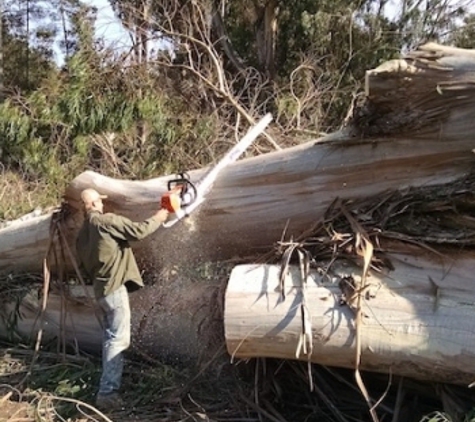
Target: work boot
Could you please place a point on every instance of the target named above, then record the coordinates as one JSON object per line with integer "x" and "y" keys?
{"x": 109, "y": 401}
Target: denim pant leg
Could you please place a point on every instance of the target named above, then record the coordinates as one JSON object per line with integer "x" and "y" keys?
{"x": 116, "y": 338}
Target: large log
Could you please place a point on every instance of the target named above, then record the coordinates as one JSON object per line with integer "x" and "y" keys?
{"x": 417, "y": 320}
{"x": 23, "y": 244}
{"x": 164, "y": 320}
{"x": 415, "y": 129}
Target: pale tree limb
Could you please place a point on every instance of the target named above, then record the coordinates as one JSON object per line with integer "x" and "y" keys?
{"x": 201, "y": 53}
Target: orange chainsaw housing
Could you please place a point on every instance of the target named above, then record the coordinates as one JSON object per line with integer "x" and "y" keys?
{"x": 171, "y": 200}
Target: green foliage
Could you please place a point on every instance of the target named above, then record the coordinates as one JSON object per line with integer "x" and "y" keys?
{"x": 340, "y": 39}
{"x": 444, "y": 417}
{"x": 43, "y": 133}
{"x": 470, "y": 416}
{"x": 55, "y": 132}
{"x": 13, "y": 289}
{"x": 67, "y": 380}
{"x": 464, "y": 36}
{"x": 334, "y": 41}
{"x": 30, "y": 28}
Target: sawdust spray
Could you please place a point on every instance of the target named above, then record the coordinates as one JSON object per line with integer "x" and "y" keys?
{"x": 180, "y": 288}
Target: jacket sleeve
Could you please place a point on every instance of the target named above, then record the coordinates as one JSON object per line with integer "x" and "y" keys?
{"x": 126, "y": 229}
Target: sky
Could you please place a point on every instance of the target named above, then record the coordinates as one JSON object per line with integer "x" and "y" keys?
{"x": 110, "y": 29}
{"x": 107, "y": 25}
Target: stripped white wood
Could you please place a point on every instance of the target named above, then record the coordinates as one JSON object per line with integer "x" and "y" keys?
{"x": 407, "y": 330}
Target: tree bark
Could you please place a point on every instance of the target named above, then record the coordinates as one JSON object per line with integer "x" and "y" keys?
{"x": 256, "y": 200}
{"x": 266, "y": 31}
{"x": 221, "y": 38}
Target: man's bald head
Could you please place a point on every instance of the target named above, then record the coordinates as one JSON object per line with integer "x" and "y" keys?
{"x": 92, "y": 200}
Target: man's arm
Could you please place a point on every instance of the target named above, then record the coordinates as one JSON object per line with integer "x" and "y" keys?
{"x": 126, "y": 229}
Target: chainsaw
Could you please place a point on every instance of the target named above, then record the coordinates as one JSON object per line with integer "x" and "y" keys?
{"x": 183, "y": 197}
{"x": 181, "y": 193}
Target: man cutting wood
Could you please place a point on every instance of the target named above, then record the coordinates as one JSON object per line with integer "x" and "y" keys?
{"x": 107, "y": 260}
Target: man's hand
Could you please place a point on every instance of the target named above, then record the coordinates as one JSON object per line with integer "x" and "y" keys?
{"x": 161, "y": 215}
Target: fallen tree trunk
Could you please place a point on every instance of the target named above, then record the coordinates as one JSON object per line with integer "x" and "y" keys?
{"x": 24, "y": 243}
{"x": 164, "y": 320}
{"x": 415, "y": 129}
{"x": 417, "y": 320}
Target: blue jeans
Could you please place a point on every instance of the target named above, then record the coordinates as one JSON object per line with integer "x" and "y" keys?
{"x": 115, "y": 338}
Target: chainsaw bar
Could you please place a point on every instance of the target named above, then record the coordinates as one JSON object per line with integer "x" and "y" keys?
{"x": 204, "y": 185}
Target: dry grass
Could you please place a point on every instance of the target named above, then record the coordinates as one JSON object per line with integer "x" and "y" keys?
{"x": 61, "y": 387}
{"x": 19, "y": 196}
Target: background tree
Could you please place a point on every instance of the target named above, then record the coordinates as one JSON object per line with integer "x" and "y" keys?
{"x": 35, "y": 33}
{"x": 135, "y": 16}
{"x": 310, "y": 57}
{"x": 464, "y": 35}
{"x": 198, "y": 75}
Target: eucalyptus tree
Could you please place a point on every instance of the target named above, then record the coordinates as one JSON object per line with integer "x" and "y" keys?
{"x": 332, "y": 42}
{"x": 464, "y": 36}
{"x": 64, "y": 11}
{"x": 26, "y": 56}
{"x": 419, "y": 21}
{"x": 135, "y": 16}
{"x": 35, "y": 33}
{"x": 303, "y": 60}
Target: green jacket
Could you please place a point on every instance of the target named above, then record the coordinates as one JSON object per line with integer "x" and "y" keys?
{"x": 104, "y": 252}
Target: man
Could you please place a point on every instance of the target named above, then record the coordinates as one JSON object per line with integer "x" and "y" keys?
{"x": 107, "y": 260}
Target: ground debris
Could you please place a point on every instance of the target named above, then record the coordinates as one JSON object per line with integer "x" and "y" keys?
{"x": 61, "y": 388}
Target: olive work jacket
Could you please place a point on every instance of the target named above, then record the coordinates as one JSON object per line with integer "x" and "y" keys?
{"x": 104, "y": 252}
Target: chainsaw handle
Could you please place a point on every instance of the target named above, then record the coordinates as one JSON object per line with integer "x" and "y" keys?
{"x": 182, "y": 179}
{"x": 190, "y": 197}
